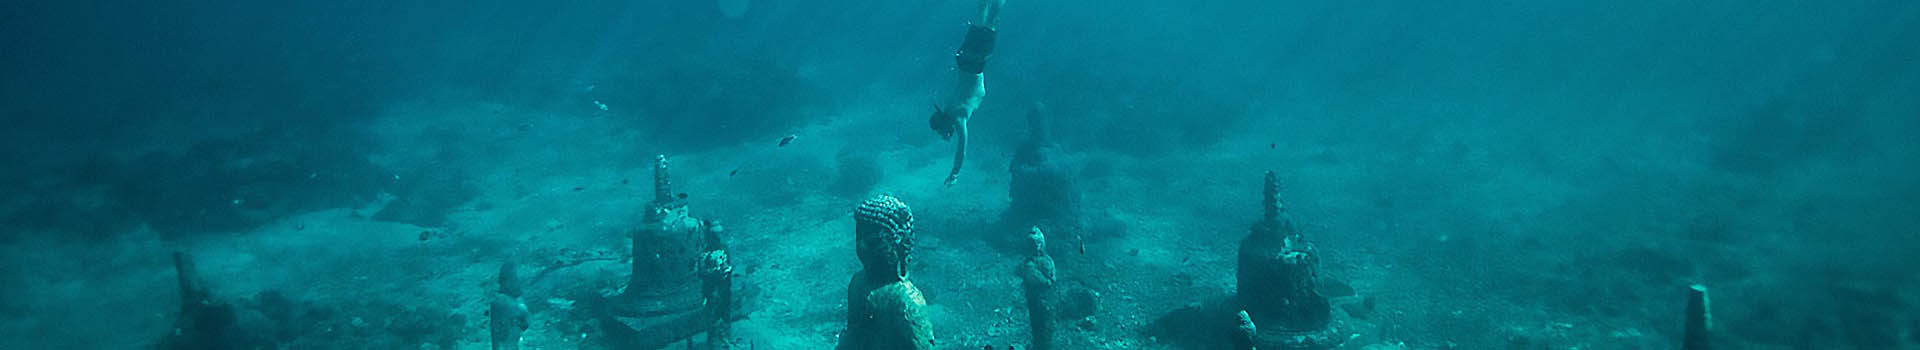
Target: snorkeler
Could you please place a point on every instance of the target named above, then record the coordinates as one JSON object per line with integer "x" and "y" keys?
{"x": 970, "y": 83}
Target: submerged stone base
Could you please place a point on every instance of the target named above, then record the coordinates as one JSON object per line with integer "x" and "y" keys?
{"x": 651, "y": 332}
{"x": 1326, "y": 338}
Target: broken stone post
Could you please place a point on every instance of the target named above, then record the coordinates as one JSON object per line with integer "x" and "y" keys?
{"x": 1699, "y": 320}
{"x": 885, "y": 311}
{"x": 662, "y": 303}
{"x": 716, "y": 276}
{"x": 192, "y": 293}
{"x": 204, "y": 321}
{"x": 1276, "y": 279}
{"x": 508, "y": 317}
{"x": 1037, "y": 277}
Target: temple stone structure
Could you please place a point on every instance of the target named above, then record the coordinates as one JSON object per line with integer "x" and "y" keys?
{"x": 1277, "y": 276}
{"x": 665, "y": 300}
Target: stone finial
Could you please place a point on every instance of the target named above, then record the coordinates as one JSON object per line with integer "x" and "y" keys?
{"x": 662, "y": 183}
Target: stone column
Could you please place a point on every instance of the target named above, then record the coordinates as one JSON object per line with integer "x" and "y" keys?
{"x": 1699, "y": 320}
{"x": 1277, "y": 277}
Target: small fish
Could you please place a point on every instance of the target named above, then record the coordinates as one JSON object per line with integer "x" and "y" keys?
{"x": 682, "y": 195}
{"x": 736, "y": 171}
{"x": 1273, "y": 146}
{"x": 424, "y": 235}
{"x": 1082, "y": 243}
{"x": 787, "y": 140}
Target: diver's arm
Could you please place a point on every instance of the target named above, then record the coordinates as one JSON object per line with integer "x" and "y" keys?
{"x": 959, "y": 150}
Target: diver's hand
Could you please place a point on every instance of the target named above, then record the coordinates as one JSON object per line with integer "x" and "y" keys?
{"x": 952, "y": 178}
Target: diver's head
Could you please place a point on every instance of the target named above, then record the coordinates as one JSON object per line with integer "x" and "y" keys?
{"x": 941, "y": 122}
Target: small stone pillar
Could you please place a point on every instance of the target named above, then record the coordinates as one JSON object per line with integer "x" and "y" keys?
{"x": 1036, "y": 279}
{"x": 1277, "y": 275}
{"x": 507, "y": 314}
{"x": 205, "y": 322}
{"x": 885, "y": 311}
{"x": 1699, "y": 320}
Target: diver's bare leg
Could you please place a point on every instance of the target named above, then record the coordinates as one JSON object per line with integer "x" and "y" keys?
{"x": 990, "y": 13}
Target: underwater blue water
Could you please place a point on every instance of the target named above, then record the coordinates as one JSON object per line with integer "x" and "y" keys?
{"x": 1473, "y": 174}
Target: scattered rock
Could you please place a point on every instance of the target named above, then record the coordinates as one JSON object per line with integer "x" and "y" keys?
{"x": 1360, "y": 310}
{"x": 1080, "y": 303}
{"x": 1334, "y": 288}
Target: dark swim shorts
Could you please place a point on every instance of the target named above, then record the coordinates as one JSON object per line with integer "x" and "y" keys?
{"x": 976, "y": 49}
